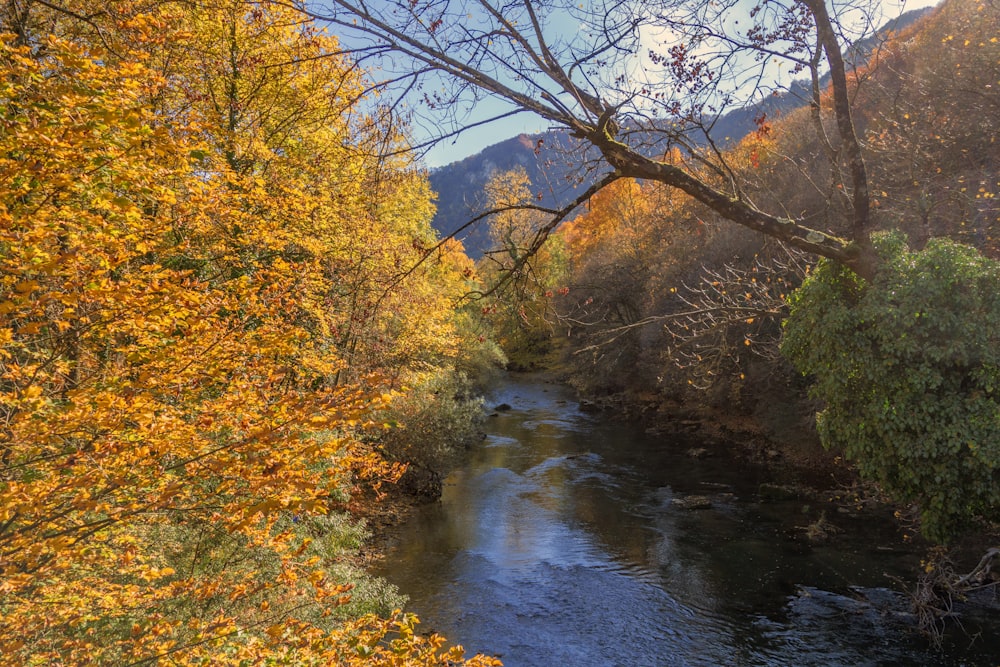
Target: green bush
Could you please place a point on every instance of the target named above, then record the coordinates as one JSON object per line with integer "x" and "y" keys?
{"x": 909, "y": 369}
{"x": 434, "y": 421}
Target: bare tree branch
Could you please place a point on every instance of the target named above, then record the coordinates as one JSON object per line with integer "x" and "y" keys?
{"x": 631, "y": 71}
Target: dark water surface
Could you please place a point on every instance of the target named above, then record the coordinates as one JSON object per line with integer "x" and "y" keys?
{"x": 559, "y": 542}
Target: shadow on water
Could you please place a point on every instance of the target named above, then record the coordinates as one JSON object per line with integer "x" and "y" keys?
{"x": 562, "y": 541}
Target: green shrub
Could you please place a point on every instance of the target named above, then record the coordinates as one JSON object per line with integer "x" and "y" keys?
{"x": 433, "y": 422}
{"x": 909, "y": 369}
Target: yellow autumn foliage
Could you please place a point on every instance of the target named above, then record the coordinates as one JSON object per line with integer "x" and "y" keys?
{"x": 203, "y": 300}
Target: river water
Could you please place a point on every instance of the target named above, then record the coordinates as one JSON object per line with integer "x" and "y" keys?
{"x": 563, "y": 540}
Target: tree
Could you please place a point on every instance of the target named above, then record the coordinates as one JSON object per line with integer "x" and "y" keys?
{"x": 145, "y": 369}
{"x": 637, "y": 79}
{"x": 178, "y": 426}
{"x": 531, "y": 261}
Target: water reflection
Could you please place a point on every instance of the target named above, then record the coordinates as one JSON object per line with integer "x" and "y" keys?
{"x": 560, "y": 543}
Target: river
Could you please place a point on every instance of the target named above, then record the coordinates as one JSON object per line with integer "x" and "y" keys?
{"x": 563, "y": 540}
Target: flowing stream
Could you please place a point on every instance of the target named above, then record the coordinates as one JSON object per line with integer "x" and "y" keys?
{"x": 563, "y": 539}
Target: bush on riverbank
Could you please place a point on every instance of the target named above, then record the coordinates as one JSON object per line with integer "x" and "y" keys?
{"x": 908, "y": 367}
{"x": 427, "y": 428}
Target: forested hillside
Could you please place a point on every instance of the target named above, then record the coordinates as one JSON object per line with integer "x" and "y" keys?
{"x": 214, "y": 322}
{"x": 641, "y": 253}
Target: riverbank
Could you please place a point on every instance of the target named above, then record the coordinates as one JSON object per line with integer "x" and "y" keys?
{"x": 778, "y": 431}
{"x": 382, "y": 520}
{"x": 771, "y": 425}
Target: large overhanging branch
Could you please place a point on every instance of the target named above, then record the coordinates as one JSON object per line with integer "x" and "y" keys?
{"x": 505, "y": 53}
{"x": 630, "y": 163}
{"x": 429, "y": 53}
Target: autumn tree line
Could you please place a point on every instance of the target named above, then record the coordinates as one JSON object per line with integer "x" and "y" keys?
{"x": 218, "y": 319}
{"x": 654, "y": 294}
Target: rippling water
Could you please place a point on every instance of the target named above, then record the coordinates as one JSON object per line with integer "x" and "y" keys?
{"x": 559, "y": 543}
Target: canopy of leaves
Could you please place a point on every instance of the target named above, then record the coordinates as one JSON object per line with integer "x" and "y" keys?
{"x": 909, "y": 369}
{"x": 207, "y": 293}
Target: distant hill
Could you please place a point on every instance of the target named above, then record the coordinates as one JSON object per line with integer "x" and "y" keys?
{"x": 550, "y": 160}
{"x": 557, "y": 163}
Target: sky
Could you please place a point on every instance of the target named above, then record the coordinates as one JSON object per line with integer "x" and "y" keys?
{"x": 477, "y": 138}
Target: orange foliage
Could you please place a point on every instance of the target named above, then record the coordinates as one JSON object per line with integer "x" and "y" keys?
{"x": 624, "y": 220}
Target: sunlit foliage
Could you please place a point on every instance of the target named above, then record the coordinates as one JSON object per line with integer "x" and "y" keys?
{"x": 521, "y": 310}
{"x": 206, "y": 294}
